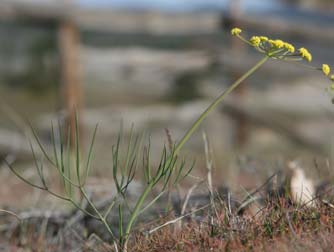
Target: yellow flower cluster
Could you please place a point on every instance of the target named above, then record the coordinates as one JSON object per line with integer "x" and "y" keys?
{"x": 266, "y": 45}
{"x": 236, "y": 31}
{"x": 326, "y": 69}
{"x": 281, "y": 50}
{"x": 277, "y": 43}
{"x": 271, "y": 47}
{"x": 282, "y": 44}
{"x": 255, "y": 41}
{"x": 289, "y": 47}
{"x": 305, "y": 54}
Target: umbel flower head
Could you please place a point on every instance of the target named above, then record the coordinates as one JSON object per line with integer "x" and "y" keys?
{"x": 274, "y": 48}
{"x": 282, "y": 50}
{"x": 326, "y": 69}
{"x": 236, "y": 31}
{"x": 305, "y": 54}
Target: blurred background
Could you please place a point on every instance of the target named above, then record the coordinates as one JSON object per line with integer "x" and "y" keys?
{"x": 157, "y": 64}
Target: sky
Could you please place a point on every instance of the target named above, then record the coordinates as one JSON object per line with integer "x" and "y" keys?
{"x": 177, "y": 5}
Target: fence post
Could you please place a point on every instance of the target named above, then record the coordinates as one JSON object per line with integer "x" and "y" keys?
{"x": 68, "y": 38}
{"x": 241, "y": 92}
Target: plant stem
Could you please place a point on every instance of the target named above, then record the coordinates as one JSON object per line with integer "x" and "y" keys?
{"x": 101, "y": 218}
{"x": 134, "y": 215}
{"x": 216, "y": 102}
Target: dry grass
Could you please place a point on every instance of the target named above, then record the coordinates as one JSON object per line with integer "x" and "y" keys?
{"x": 278, "y": 226}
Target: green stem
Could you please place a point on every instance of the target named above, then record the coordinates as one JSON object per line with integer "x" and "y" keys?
{"x": 134, "y": 215}
{"x": 216, "y": 102}
{"x": 101, "y": 218}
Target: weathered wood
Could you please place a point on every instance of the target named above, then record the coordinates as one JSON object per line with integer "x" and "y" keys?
{"x": 318, "y": 34}
{"x": 285, "y": 128}
{"x": 159, "y": 23}
{"x": 71, "y": 74}
{"x": 239, "y": 47}
{"x": 46, "y": 12}
{"x": 59, "y": 14}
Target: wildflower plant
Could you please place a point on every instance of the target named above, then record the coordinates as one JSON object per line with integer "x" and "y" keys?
{"x": 169, "y": 170}
{"x": 275, "y": 49}
{"x": 281, "y": 50}
{"x": 73, "y": 171}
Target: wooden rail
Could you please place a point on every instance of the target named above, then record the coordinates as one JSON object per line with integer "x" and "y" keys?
{"x": 17, "y": 10}
{"x": 280, "y": 26}
{"x": 69, "y": 20}
{"x": 110, "y": 20}
{"x": 60, "y": 16}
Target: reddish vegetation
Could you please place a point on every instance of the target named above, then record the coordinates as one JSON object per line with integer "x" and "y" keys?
{"x": 281, "y": 229}
{"x": 278, "y": 227}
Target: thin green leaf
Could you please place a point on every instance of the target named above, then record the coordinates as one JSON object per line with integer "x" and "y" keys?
{"x": 22, "y": 178}
{"x": 90, "y": 153}
{"x": 115, "y": 152}
{"x": 53, "y": 142}
{"x": 189, "y": 171}
{"x": 152, "y": 202}
{"x": 127, "y": 158}
{"x": 120, "y": 225}
{"x": 62, "y": 161}
{"x": 110, "y": 207}
{"x": 39, "y": 171}
{"x": 68, "y": 161}
{"x": 77, "y": 148}
{"x": 40, "y": 144}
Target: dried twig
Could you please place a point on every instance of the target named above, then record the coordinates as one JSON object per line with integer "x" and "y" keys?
{"x": 290, "y": 224}
{"x": 209, "y": 166}
{"x": 10, "y": 213}
{"x": 184, "y": 206}
{"x": 177, "y": 219}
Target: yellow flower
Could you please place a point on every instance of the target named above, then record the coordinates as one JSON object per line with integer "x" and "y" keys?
{"x": 305, "y": 54}
{"x": 236, "y": 31}
{"x": 326, "y": 69}
{"x": 289, "y": 47}
{"x": 255, "y": 41}
{"x": 264, "y": 39}
{"x": 332, "y": 77}
{"x": 279, "y": 43}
